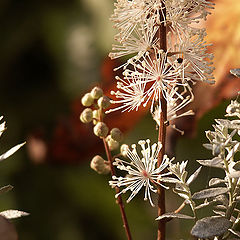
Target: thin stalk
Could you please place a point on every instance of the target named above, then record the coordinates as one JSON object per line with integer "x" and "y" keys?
{"x": 119, "y": 198}
{"x": 162, "y": 131}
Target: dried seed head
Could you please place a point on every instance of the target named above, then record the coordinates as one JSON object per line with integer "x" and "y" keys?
{"x": 96, "y": 92}
{"x": 124, "y": 149}
{"x": 116, "y": 134}
{"x": 87, "y": 115}
{"x": 99, "y": 165}
{"x": 100, "y": 129}
{"x": 113, "y": 145}
{"x": 104, "y": 102}
{"x": 87, "y": 100}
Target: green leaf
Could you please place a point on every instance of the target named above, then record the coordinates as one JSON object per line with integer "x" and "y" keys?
{"x": 6, "y": 189}
{"x": 211, "y": 192}
{"x": 215, "y": 162}
{"x": 11, "y": 214}
{"x": 210, "y": 227}
{"x": 174, "y": 215}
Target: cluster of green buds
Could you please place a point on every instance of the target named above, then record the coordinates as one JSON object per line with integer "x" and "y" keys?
{"x": 96, "y": 103}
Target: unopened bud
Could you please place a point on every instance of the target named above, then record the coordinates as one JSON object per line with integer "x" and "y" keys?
{"x": 116, "y": 134}
{"x": 99, "y": 165}
{"x": 96, "y": 116}
{"x": 87, "y": 100}
{"x": 87, "y": 115}
{"x": 104, "y": 102}
{"x": 100, "y": 129}
{"x": 124, "y": 150}
{"x": 96, "y": 93}
{"x": 112, "y": 144}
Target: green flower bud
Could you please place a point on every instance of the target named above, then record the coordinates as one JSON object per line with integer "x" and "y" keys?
{"x": 104, "y": 102}
{"x": 100, "y": 129}
{"x": 124, "y": 149}
{"x": 99, "y": 165}
{"x": 116, "y": 134}
{"x": 96, "y": 93}
{"x": 87, "y": 115}
{"x": 87, "y": 100}
{"x": 112, "y": 144}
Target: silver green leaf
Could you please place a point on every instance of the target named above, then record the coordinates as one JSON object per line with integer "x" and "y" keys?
{"x": 234, "y": 232}
{"x": 11, "y": 151}
{"x": 169, "y": 180}
{"x": 11, "y": 214}
{"x": 6, "y": 189}
{"x": 215, "y": 162}
{"x": 208, "y": 193}
{"x": 237, "y": 166}
{"x": 209, "y": 227}
{"x": 193, "y": 176}
{"x": 216, "y": 181}
{"x": 174, "y": 215}
{"x": 182, "y": 193}
{"x": 235, "y": 72}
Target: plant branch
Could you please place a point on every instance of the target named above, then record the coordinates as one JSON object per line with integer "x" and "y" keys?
{"x": 162, "y": 129}
{"x": 119, "y": 198}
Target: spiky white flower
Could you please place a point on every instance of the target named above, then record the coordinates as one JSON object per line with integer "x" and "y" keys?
{"x": 175, "y": 104}
{"x": 153, "y": 76}
{"x": 142, "y": 172}
{"x": 138, "y": 43}
{"x": 181, "y": 15}
{"x": 128, "y": 14}
{"x": 194, "y": 50}
{"x": 131, "y": 95}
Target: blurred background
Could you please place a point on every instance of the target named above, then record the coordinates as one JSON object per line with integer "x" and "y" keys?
{"x": 51, "y": 53}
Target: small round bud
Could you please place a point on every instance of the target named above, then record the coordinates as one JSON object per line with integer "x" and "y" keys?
{"x": 99, "y": 165}
{"x": 87, "y": 100}
{"x": 116, "y": 134}
{"x": 100, "y": 129}
{"x": 104, "y": 102}
{"x": 87, "y": 115}
{"x": 112, "y": 144}
{"x": 124, "y": 149}
{"x": 96, "y": 116}
{"x": 96, "y": 93}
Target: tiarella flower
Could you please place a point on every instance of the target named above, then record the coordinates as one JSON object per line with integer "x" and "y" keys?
{"x": 175, "y": 105}
{"x": 142, "y": 172}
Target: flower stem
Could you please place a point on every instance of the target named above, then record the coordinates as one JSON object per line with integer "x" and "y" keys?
{"x": 162, "y": 130}
{"x": 119, "y": 198}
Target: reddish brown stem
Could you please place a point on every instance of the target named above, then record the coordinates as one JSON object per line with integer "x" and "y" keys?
{"x": 162, "y": 131}
{"x": 119, "y": 198}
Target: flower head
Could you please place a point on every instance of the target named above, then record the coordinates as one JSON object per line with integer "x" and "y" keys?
{"x": 142, "y": 172}
{"x": 176, "y": 102}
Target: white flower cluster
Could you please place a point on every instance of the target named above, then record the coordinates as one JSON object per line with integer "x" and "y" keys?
{"x": 150, "y": 71}
{"x": 142, "y": 172}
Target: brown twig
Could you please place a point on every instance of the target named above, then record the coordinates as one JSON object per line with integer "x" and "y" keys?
{"x": 162, "y": 131}
{"x": 119, "y": 198}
